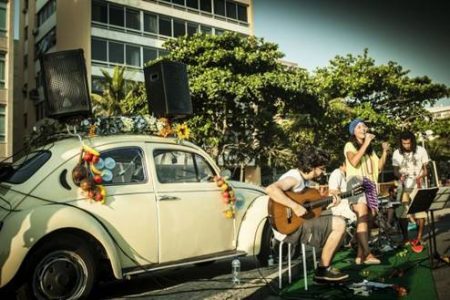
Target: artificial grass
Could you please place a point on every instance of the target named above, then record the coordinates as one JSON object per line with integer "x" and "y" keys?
{"x": 401, "y": 267}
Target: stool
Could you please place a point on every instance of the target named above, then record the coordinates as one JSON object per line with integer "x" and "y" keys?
{"x": 280, "y": 238}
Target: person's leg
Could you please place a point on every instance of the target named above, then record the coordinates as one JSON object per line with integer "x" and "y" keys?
{"x": 403, "y": 224}
{"x": 333, "y": 241}
{"x": 390, "y": 216}
{"x": 421, "y": 224}
{"x": 362, "y": 234}
{"x": 324, "y": 271}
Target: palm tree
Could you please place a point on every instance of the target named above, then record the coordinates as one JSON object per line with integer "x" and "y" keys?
{"x": 115, "y": 89}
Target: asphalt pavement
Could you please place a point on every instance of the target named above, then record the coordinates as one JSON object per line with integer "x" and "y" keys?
{"x": 213, "y": 281}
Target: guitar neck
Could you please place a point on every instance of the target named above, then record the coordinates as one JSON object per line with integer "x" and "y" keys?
{"x": 326, "y": 201}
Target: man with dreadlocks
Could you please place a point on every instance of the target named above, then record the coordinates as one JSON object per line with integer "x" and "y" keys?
{"x": 410, "y": 167}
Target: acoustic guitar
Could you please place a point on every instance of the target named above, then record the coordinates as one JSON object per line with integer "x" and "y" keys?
{"x": 285, "y": 221}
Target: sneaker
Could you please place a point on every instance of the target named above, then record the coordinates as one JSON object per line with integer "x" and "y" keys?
{"x": 329, "y": 274}
{"x": 417, "y": 248}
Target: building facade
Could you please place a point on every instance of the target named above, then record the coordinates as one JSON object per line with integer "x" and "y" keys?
{"x": 440, "y": 112}
{"x": 113, "y": 32}
{"x": 6, "y": 78}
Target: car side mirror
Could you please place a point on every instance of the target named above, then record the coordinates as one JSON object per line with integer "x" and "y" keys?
{"x": 225, "y": 174}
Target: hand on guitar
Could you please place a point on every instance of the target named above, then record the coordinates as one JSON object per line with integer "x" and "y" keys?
{"x": 299, "y": 210}
{"x": 336, "y": 200}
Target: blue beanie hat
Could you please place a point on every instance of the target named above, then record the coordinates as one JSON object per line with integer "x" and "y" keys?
{"x": 353, "y": 124}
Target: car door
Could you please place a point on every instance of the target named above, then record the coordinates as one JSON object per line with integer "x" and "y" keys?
{"x": 130, "y": 211}
{"x": 190, "y": 207}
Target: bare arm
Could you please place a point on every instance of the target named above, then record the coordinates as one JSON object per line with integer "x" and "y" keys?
{"x": 355, "y": 157}
{"x": 397, "y": 172}
{"x": 383, "y": 158}
{"x": 276, "y": 192}
{"x": 424, "y": 171}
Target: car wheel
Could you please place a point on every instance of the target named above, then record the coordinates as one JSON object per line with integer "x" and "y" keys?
{"x": 270, "y": 247}
{"x": 62, "y": 268}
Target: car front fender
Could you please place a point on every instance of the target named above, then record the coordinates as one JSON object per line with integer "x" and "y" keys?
{"x": 24, "y": 229}
{"x": 250, "y": 231}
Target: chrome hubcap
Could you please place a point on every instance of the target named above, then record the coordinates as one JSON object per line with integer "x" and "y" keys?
{"x": 60, "y": 275}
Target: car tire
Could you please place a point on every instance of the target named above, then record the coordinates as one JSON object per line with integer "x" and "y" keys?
{"x": 64, "y": 267}
{"x": 270, "y": 247}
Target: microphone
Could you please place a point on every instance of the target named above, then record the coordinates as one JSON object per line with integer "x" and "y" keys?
{"x": 369, "y": 130}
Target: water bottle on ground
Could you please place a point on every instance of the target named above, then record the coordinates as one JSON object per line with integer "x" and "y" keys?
{"x": 235, "y": 270}
{"x": 270, "y": 261}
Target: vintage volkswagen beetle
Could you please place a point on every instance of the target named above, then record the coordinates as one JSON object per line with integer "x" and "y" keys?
{"x": 162, "y": 209}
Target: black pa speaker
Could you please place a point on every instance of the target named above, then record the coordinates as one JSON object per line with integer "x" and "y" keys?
{"x": 167, "y": 88}
{"x": 65, "y": 84}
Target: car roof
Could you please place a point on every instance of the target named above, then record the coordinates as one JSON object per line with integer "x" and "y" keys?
{"x": 73, "y": 142}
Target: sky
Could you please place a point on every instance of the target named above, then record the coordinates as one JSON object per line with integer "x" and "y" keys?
{"x": 413, "y": 33}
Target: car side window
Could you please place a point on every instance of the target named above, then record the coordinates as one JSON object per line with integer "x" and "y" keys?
{"x": 181, "y": 167}
{"x": 123, "y": 166}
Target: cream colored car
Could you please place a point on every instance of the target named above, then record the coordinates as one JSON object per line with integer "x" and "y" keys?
{"x": 162, "y": 209}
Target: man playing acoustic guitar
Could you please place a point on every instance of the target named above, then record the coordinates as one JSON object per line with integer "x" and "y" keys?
{"x": 325, "y": 231}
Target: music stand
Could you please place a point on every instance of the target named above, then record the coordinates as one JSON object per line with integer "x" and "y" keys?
{"x": 429, "y": 200}
{"x": 421, "y": 200}
{"x": 441, "y": 201}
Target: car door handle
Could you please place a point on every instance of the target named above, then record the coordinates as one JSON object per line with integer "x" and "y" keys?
{"x": 167, "y": 197}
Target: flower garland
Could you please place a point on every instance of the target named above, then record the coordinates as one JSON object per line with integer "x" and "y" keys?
{"x": 88, "y": 176}
{"x": 49, "y": 130}
{"x": 228, "y": 197}
{"x": 145, "y": 124}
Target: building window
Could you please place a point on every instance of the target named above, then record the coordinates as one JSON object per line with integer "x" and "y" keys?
{"x": 133, "y": 19}
{"x": 219, "y": 7}
{"x": 116, "y": 53}
{"x": 46, "y": 12}
{"x": 2, "y": 123}
{"x": 205, "y": 5}
{"x": 149, "y": 54}
{"x": 116, "y": 15}
{"x": 179, "y": 28}
{"x": 25, "y": 33}
{"x": 133, "y": 55}
{"x": 242, "y": 13}
{"x": 99, "y": 12}
{"x": 44, "y": 44}
{"x": 2, "y": 71}
{"x": 206, "y": 29}
{"x": 99, "y": 50}
{"x": 2, "y": 18}
{"x": 192, "y": 3}
{"x": 150, "y": 23}
{"x": 165, "y": 27}
{"x": 231, "y": 10}
{"x": 192, "y": 28}
{"x": 179, "y": 2}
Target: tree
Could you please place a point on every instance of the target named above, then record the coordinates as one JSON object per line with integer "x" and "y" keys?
{"x": 237, "y": 87}
{"x": 120, "y": 96}
{"x": 384, "y": 95}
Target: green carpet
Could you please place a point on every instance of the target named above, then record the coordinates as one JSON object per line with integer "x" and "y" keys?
{"x": 401, "y": 267}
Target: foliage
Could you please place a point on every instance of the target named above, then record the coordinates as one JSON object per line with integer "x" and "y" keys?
{"x": 383, "y": 95}
{"x": 237, "y": 86}
{"x": 120, "y": 96}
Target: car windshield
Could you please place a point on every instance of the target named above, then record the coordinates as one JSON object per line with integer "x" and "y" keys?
{"x": 21, "y": 170}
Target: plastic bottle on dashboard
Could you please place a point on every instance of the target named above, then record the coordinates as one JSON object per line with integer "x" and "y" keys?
{"x": 235, "y": 270}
